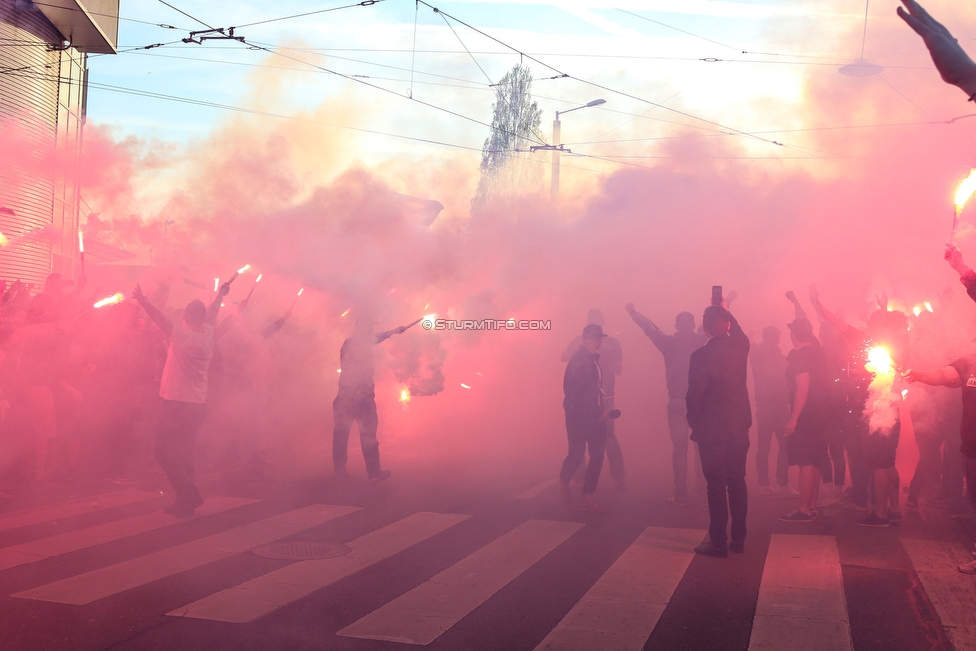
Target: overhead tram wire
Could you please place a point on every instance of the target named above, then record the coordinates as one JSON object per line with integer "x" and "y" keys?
{"x": 180, "y": 11}
{"x": 738, "y": 132}
{"x": 95, "y": 13}
{"x": 364, "y": 3}
{"x": 374, "y": 86}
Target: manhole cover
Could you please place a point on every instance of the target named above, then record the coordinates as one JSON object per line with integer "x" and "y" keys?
{"x": 301, "y": 550}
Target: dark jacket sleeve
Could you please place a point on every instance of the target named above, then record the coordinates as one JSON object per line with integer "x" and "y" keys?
{"x": 697, "y": 379}
{"x": 969, "y": 280}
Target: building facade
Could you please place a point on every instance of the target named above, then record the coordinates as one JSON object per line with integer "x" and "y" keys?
{"x": 44, "y": 48}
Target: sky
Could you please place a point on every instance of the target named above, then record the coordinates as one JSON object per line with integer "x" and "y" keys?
{"x": 743, "y": 65}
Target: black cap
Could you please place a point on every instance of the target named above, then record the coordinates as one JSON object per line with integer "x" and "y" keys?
{"x": 802, "y": 328}
{"x": 593, "y": 331}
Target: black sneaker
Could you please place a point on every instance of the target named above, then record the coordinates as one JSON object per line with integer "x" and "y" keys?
{"x": 911, "y": 503}
{"x": 737, "y": 546}
{"x": 894, "y": 517}
{"x": 874, "y": 521}
{"x": 796, "y": 515}
{"x": 342, "y": 473}
{"x": 709, "y": 549}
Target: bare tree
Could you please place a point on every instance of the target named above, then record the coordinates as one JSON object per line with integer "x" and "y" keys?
{"x": 507, "y": 168}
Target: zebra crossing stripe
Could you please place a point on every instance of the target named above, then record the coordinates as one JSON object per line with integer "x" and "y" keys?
{"x": 269, "y": 592}
{"x": 951, "y": 592}
{"x": 622, "y": 608}
{"x": 801, "y": 597}
{"x": 423, "y": 614}
{"x": 36, "y": 550}
{"x": 98, "y": 584}
{"x": 535, "y": 490}
{"x": 74, "y": 507}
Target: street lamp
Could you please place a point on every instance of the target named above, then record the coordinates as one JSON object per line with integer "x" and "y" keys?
{"x": 557, "y": 148}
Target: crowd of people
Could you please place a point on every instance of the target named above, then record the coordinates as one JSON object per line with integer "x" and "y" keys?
{"x": 834, "y": 405}
{"x": 90, "y": 393}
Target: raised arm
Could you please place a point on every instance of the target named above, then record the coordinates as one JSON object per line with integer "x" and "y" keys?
{"x": 966, "y": 275}
{"x": 949, "y": 58}
{"x": 798, "y": 311}
{"x": 214, "y": 308}
{"x": 652, "y": 331}
{"x": 835, "y": 320}
{"x": 383, "y": 336}
{"x": 158, "y": 317}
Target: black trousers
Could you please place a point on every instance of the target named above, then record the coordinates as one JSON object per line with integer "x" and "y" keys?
{"x": 583, "y": 434}
{"x": 176, "y": 437}
{"x": 724, "y": 466}
{"x": 347, "y": 410}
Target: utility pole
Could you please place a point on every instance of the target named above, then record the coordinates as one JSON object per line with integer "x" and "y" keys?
{"x": 554, "y": 185}
{"x": 557, "y": 148}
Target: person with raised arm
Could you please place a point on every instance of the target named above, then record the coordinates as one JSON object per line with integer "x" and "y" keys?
{"x": 183, "y": 390}
{"x": 952, "y": 62}
{"x": 356, "y": 401}
{"x": 720, "y": 416}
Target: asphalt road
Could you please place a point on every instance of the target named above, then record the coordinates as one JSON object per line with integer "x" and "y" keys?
{"x": 479, "y": 556}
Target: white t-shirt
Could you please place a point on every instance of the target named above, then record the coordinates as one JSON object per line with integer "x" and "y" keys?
{"x": 187, "y": 362}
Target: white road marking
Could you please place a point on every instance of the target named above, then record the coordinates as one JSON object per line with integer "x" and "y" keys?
{"x": 423, "y": 614}
{"x": 952, "y": 593}
{"x": 801, "y": 602}
{"x": 36, "y": 550}
{"x": 73, "y": 507}
{"x": 532, "y": 492}
{"x": 269, "y": 592}
{"x": 98, "y": 584}
{"x": 622, "y": 608}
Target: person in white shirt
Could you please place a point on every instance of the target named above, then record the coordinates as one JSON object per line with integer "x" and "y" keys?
{"x": 184, "y": 392}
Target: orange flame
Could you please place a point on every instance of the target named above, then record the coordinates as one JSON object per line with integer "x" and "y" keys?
{"x": 344, "y": 313}
{"x": 243, "y": 269}
{"x": 258, "y": 279}
{"x": 965, "y": 190}
{"x": 216, "y": 283}
{"x": 81, "y": 242}
{"x": 114, "y": 299}
{"x": 300, "y": 291}
{"x": 879, "y": 361}
{"x": 404, "y": 395}
{"x": 3, "y": 240}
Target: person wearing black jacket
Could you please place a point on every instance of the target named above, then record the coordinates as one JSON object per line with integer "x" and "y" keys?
{"x": 586, "y": 417}
{"x": 720, "y": 416}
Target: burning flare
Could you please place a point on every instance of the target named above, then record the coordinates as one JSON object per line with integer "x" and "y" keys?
{"x": 216, "y": 283}
{"x": 243, "y": 269}
{"x": 881, "y": 408}
{"x": 965, "y": 190}
{"x": 3, "y": 240}
{"x": 258, "y": 279}
{"x": 114, "y": 299}
{"x": 81, "y": 242}
{"x": 429, "y": 320}
{"x": 404, "y": 395}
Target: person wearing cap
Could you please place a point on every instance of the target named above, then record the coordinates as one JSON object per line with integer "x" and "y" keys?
{"x": 586, "y": 417}
{"x": 356, "y": 402}
{"x": 720, "y": 416}
{"x": 183, "y": 389}
{"x": 806, "y": 436}
{"x": 611, "y": 365}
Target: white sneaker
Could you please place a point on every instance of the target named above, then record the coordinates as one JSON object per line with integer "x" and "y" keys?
{"x": 786, "y": 491}
{"x": 968, "y": 568}
{"x": 829, "y": 496}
